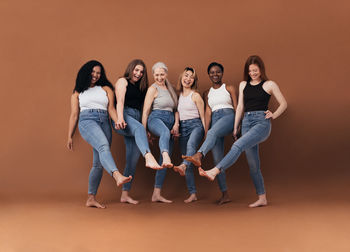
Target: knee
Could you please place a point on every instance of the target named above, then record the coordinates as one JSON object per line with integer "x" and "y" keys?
{"x": 212, "y": 133}
{"x": 103, "y": 148}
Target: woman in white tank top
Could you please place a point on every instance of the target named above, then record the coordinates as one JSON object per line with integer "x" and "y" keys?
{"x": 192, "y": 123}
{"x": 91, "y": 102}
{"x": 219, "y": 119}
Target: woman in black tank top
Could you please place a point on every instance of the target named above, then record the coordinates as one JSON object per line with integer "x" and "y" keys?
{"x": 130, "y": 91}
{"x": 254, "y": 95}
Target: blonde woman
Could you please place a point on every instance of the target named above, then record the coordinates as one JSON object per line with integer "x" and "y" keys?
{"x": 191, "y": 113}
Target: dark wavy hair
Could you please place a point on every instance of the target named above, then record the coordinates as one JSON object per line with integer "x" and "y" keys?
{"x": 130, "y": 68}
{"x": 256, "y": 60}
{"x": 83, "y": 80}
{"x": 215, "y": 64}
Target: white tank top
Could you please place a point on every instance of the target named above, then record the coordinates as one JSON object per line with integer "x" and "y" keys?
{"x": 219, "y": 98}
{"x": 93, "y": 98}
{"x": 187, "y": 108}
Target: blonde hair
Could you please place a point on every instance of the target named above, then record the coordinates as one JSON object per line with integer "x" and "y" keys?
{"x": 195, "y": 77}
{"x": 167, "y": 82}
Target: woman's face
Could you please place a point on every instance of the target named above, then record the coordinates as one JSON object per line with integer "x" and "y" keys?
{"x": 215, "y": 74}
{"x": 160, "y": 76}
{"x": 95, "y": 74}
{"x": 137, "y": 73}
{"x": 187, "y": 79}
{"x": 254, "y": 72}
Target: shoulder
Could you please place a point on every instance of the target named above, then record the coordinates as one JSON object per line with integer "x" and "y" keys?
{"x": 107, "y": 89}
{"x": 196, "y": 96}
{"x": 242, "y": 85}
{"x": 121, "y": 82}
{"x": 270, "y": 83}
{"x": 75, "y": 94}
{"x": 230, "y": 88}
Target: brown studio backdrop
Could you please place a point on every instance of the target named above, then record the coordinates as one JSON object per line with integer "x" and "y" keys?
{"x": 305, "y": 46}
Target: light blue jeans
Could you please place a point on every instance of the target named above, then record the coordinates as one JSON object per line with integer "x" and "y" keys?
{"x": 136, "y": 142}
{"x": 191, "y": 134}
{"x": 255, "y": 129}
{"x": 95, "y": 128}
{"x": 160, "y": 123}
{"x": 222, "y": 122}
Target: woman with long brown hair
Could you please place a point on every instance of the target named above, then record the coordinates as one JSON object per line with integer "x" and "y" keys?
{"x": 130, "y": 91}
{"x": 254, "y": 95}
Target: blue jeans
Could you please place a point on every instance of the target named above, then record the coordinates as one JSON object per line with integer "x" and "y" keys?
{"x": 255, "y": 129}
{"x": 222, "y": 122}
{"x": 191, "y": 134}
{"x": 159, "y": 123}
{"x": 95, "y": 128}
{"x": 136, "y": 142}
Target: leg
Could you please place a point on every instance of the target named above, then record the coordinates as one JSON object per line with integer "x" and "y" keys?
{"x": 220, "y": 128}
{"x": 94, "y": 134}
{"x": 252, "y": 155}
{"x": 94, "y": 182}
{"x": 218, "y": 154}
{"x": 159, "y": 128}
{"x": 159, "y": 180}
{"x": 132, "y": 157}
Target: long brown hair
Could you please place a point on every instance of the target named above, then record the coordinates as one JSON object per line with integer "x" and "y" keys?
{"x": 130, "y": 68}
{"x": 195, "y": 77}
{"x": 256, "y": 60}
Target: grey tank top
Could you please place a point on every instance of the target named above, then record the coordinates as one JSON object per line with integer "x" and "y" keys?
{"x": 163, "y": 101}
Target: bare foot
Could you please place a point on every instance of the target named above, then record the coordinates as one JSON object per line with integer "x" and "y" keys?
{"x": 151, "y": 162}
{"x": 196, "y": 159}
{"x": 92, "y": 202}
{"x": 120, "y": 179}
{"x": 209, "y": 174}
{"x": 161, "y": 199}
{"x": 190, "y": 199}
{"x": 166, "y": 160}
{"x": 156, "y": 197}
{"x": 125, "y": 198}
{"x": 224, "y": 198}
{"x": 262, "y": 201}
{"x": 180, "y": 169}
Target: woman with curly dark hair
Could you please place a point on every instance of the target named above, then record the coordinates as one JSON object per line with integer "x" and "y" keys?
{"x": 91, "y": 102}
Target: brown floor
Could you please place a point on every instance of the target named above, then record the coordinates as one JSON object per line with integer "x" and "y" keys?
{"x": 302, "y": 220}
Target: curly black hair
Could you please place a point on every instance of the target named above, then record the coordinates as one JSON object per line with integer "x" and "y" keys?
{"x": 83, "y": 80}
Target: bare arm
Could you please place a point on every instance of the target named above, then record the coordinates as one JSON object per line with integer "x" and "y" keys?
{"x": 73, "y": 119}
{"x": 240, "y": 109}
{"x": 120, "y": 90}
{"x": 272, "y": 88}
{"x": 232, "y": 92}
{"x": 175, "y": 129}
{"x": 197, "y": 99}
{"x": 207, "y": 112}
{"x": 111, "y": 109}
{"x": 150, "y": 96}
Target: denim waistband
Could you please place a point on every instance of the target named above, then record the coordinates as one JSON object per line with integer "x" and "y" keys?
{"x": 257, "y": 112}
{"x": 224, "y": 111}
{"x": 90, "y": 111}
{"x": 162, "y": 112}
{"x": 190, "y": 120}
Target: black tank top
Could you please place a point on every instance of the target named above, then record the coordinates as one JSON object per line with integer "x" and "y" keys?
{"x": 255, "y": 97}
{"x": 134, "y": 97}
